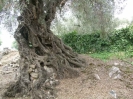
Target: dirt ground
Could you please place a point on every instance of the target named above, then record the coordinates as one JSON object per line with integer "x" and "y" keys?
{"x": 93, "y": 83}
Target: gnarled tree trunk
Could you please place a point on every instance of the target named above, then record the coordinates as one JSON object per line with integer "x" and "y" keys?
{"x": 44, "y": 57}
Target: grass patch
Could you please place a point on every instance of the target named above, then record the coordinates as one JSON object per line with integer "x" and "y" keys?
{"x": 111, "y": 55}
{"x": 103, "y": 55}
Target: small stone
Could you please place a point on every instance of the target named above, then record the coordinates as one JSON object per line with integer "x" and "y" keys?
{"x": 113, "y": 93}
{"x": 5, "y": 68}
{"x": 34, "y": 75}
{"x": 36, "y": 71}
{"x": 47, "y": 85}
{"x": 116, "y": 64}
{"x": 31, "y": 78}
{"x": 57, "y": 82}
{"x": 97, "y": 76}
{"x": 30, "y": 70}
{"x": 15, "y": 65}
{"x": 34, "y": 81}
{"x": 47, "y": 80}
{"x": 0, "y": 64}
{"x": 114, "y": 70}
{"x": 54, "y": 75}
{"x": 33, "y": 66}
{"x": 11, "y": 65}
{"x": 117, "y": 77}
{"x": 49, "y": 70}
{"x": 24, "y": 96}
{"x": 54, "y": 83}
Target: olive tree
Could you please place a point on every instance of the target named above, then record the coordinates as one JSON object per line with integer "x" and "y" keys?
{"x": 44, "y": 56}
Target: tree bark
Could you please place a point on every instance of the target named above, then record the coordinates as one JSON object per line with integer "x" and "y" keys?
{"x": 44, "y": 57}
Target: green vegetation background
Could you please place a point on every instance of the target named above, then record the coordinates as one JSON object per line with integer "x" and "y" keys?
{"x": 117, "y": 41}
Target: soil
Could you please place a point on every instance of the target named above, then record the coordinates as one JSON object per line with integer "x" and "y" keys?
{"x": 87, "y": 85}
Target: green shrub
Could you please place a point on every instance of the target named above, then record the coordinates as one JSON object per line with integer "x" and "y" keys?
{"x": 119, "y": 40}
{"x": 85, "y": 43}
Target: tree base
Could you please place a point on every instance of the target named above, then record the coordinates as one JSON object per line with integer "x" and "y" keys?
{"x": 44, "y": 57}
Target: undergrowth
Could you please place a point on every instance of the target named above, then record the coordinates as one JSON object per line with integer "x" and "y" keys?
{"x": 119, "y": 44}
{"x": 112, "y": 55}
{"x": 119, "y": 40}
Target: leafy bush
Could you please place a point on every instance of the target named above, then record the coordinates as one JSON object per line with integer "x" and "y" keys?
{"x": 85, "y": 43}
{"x": 119, "y": 40}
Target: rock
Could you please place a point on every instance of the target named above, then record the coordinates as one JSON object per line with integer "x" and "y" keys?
{"x": 113, "y": 93}
{"x": 114, "y": 70}
{"x": 15, "y": 60}
{"x": 51, "y": 95}
{"x": 15, "y": 66}
{"x": 34, "y": 81}
{"x": 34, "y": 75}
{"x": 54, "y": 82}
{"x": 30, "y": 70}
{"x": 12, "y": 65}
{"x": 54, "y": 75}
{"x": 117, "y": 77}
{"x": 0, "y": 64}
{"x": 48, "y": 85}
{"x": 116, "y": 64}
{"x": 31, "y": 78}
{"x": 5, "y": 51}
{"x": 36, "y": 71}
{"x": 97, "y": 76}
{"x": 5, "y": 68}
{"x": 48, "y": 69}
{"x": 57, "y": 82}
{"x": 33, "y": 66}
